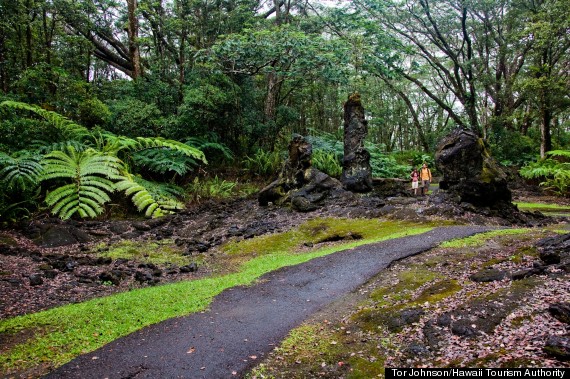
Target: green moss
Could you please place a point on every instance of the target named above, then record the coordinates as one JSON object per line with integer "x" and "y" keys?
{"x": 306, "y": 343}
{"x": 540, "y": 206}
{"x": 319, "y": 230}
{"x": 7, "y": 240}
{"x": 438, "y": 291}
{"x": 480, "y": 239}
{"x": 408, "y": 281}
{"x": 363, "y": 368}
{"x": 160, "y": 252}
{"x": 519, "y": 321}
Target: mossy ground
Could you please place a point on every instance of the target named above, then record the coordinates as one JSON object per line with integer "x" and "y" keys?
{"x": 160, "y": 252}
{"x": 548, "y": 209}
{"x": 433, "y": 282}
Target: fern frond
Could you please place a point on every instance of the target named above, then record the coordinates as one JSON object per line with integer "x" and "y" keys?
{"x": 559, "y": 153}
{"x": 203, "y": 144}
{"x": 69, "y": 129}
{"x": 153, "y": 204}
{"x": 164, "y": 160}
{"x": 144, "y": 143}
{"x": 45, "y": 147}
{"x": 20, "y": 172}
{"x": 91, "y": 174}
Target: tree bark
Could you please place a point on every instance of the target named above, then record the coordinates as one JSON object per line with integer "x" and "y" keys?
{"x": 29, "y": 35}
{"x": 133, "y": 33}
{"x": 545, "y": 137}
{"x": 3, "y": 74}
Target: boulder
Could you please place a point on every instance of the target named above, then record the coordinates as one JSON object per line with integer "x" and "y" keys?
{"x": 61, "y": 235}
{"x": 469, "y": 171}
{"x": 560, "y": 311}
{"x": 559, "y": 347}
{"x": 356, "y": 170}
{"x": 488, "y": 275}
{"x": 36, "y": 280}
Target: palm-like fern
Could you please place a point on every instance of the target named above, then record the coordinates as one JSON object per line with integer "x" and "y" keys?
{"x": 204, "y": 144}
{"x": 20, "y": 172}
{"x": 555, "y": 173}
{"x": 146, "y": 198}
{"x": 90, "y": 173}
{"x": 164, "y": 160}
{"x": 68, "y": 128}
{"x": 90, "y": 164}
{"x": 156, "y": 154}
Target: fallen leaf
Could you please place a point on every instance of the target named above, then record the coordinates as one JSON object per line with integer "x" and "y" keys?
{"x": 192, "y": 349}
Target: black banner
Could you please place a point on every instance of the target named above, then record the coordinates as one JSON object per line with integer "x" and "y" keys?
{"x": 401, "y": 373}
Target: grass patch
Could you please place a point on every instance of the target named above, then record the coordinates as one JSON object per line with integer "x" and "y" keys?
{"x": 66, "y": 332}
{"x": 160, "y": 252}
{"x": 480, "y": 239}
{"x": 538, "y": 206}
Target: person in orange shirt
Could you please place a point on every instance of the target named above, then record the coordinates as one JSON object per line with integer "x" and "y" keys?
{"x": 425, "y": 177}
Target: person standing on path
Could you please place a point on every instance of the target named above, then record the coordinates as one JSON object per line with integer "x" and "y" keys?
{"x": 415, "y": 175}
{"x": 425, "y": 177}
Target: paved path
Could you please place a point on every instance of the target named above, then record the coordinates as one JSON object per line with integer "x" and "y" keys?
{"x": 247, "y": 321}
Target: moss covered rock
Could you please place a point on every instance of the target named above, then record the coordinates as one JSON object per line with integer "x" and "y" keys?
{"x": 469, "y": 171}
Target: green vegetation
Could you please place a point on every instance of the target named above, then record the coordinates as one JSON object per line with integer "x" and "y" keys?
{"x": 535, "y": 206}
{"x": 408, "y": 281}
{"x": 65, "y": 332}
{"x": 85, "y": 167}
{"x": 554, "y": 170}
{"x": 320, "y": 230}
{"x": 160, "y": 86}
{"x": 480, "y": 239}
{"x": 160, "y": 252}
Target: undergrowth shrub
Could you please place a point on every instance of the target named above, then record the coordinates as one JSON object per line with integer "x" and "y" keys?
{"x": 210, "y": 188}
{"x": 554, "y": 170}
{"x": 264, "y": 163}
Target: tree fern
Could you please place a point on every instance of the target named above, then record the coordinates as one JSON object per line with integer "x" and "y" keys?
{"x": 164, "y": 160}
{"x": 145, "y": 199}
{"x": 20, "y": 172}
{"x": 204, "y": 144}
{"x": 156, "y": 154}
{"x": 89, "y": 172}
{"x": 144, "y": 143}
{"x": 45, "y": 147}
{"x": 556, "y": 174}
{"x": 68, "y": 128}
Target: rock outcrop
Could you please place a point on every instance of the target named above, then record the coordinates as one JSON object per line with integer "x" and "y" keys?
{"x": 300, "y": 184}
{"x": 469, "y": 171}
{"x": 356, "y": 170}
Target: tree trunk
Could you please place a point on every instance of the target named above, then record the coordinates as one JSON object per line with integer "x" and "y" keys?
{"x": 133, "y": 32}
{"x": 273, "y": 87}
{"x": 545, "y": 138}
{"x": 3, "y": 74}
{"x": 29, "y": 36}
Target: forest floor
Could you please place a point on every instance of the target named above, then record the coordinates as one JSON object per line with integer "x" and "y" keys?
{"x": 356, "y": 337}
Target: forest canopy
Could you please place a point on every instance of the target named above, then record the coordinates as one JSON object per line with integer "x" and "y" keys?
{"x": 161, "y": 86}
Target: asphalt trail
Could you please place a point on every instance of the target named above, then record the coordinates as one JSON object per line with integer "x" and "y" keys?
{"x": 247, "y": 321}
